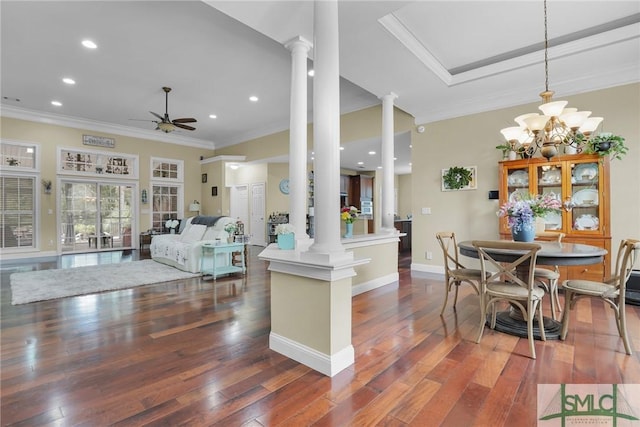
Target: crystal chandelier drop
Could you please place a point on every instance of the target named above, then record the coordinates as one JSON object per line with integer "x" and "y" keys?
{"x": 556, "y": 126}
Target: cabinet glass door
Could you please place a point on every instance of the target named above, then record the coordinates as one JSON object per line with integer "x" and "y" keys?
{"x": 550, "y": 183}
{"x": 517, "y": 183}
{"x": 584, "y": 203}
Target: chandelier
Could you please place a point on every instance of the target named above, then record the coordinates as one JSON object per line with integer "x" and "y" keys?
{"x": 556, "y": 126}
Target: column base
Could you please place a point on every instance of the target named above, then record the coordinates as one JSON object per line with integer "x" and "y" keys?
{"x": 326, "y": 364}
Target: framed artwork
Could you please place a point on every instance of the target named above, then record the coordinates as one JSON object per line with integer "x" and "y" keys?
{"x": 214, "y": 191}
{"x": 204, "y": 178}
{"x": 460, "y": 178}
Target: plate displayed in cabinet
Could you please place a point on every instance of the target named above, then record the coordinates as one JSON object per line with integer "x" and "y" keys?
{"x": 518, "y": 178}
{"x": 585, "y": 172}
{"x": 518, "y": 194}
{"x": 553, "y": 221}
{"x": 585, "y": 198}
{"x": 552, "y": 176}
{"x": 587, "y": 222}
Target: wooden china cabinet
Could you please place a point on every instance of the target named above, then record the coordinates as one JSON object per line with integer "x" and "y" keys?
{"x": 581, "y": 183}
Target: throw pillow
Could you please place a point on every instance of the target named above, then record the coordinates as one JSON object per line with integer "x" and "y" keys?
{"x": 193, "y": 233}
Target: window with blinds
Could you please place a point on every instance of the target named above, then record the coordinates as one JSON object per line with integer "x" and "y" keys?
{"x": 17, "y": 206}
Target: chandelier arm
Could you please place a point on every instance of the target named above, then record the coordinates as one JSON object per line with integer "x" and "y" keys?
{"x": 546, "y": 53}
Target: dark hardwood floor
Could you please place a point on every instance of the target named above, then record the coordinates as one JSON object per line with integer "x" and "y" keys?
{"x": 168, "y": 354}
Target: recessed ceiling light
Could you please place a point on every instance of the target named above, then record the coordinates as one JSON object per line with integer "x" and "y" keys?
{"x": 213, "y": 116}
{"x": 395, "y": 158}
{"x": 371, "y": 153}
{"x": 409, "y": 163}
{"x": 56, "y": 103}
{"x": 253, "y": 98}
{"x": 379, "y": 167}
{"x": 341, "y": 147}
{"x": 410, "y": 146}
{"x": 311, "y": 73}
{"x": 89, "y": 44}
{"x": 234, "y": 166}
{"x": 69, "y": 81}
{"x": 361, "y": 163}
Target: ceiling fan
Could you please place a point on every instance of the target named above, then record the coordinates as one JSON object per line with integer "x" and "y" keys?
{"x": 167, "y": 125}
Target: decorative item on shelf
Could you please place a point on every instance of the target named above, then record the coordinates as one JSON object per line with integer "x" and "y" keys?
{"x": 348, "y": 214}
{"x": 508, "y": 152}
{"x": 46, "y": 186}
{"x": 285, "y": 236}
{"x": 231, "y": 229}
{"x": 171, "y": 224}
{"x": 606, "y": 144}
{"x": 459, "y": 178}
{"x": 195, "y": 207}
{"x": 556, "y": 126}
{"x": 522, "y": 212}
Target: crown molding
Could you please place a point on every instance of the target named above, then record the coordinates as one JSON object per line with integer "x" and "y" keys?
{"x": 505, "y": 99}
{"x": 96, "y": 126}
{"x": 405, "y": 36}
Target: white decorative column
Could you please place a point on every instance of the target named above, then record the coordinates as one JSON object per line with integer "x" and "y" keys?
{"x": 298, "y": 138}
{"x": 387, "y": 163}
{"x": 326, "y": 131}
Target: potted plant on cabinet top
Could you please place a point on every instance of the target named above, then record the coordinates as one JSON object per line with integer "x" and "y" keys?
{"x": 606, "y": 144}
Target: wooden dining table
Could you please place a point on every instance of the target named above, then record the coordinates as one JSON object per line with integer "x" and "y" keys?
{"x": 551, "y": 254}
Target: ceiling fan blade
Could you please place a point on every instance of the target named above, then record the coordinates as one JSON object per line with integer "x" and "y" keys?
{"x": 184, "y": 120}
{"x": 187, "y": 127}
{"x": 157, "y": 115}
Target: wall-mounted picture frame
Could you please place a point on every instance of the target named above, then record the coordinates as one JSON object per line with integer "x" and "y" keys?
{"x": 460, "y": 178}
{"x": 214, "y": 191}
{"x": 204, "y": 178}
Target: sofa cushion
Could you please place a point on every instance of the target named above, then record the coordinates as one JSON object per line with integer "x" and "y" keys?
{"x": 193, "y": 233}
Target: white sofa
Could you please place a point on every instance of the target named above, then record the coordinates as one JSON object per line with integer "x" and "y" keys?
{"x": 184, "y": 250}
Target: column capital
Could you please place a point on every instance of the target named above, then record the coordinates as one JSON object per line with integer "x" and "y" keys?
{"x": 389, "y": 97}
{"x": 298, "y": 42}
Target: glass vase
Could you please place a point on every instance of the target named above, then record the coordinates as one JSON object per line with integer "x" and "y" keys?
{"x": 349, "y": 230}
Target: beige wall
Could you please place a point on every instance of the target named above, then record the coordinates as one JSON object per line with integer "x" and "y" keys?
{"x": 470, "y": 140}
{"x": 404, "y": 186}
{"x": 50, "y": 137}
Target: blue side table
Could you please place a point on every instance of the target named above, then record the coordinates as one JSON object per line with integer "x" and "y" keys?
{"x": 210, "y": 263}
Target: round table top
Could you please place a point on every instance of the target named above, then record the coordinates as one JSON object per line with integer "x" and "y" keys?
{"x": 552, "y": 253}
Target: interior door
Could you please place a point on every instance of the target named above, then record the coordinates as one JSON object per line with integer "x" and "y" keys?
{"x": 240, "y": 205}
{"x": 257, "y": 222}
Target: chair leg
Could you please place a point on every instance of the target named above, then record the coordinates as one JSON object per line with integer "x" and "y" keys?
{"x": 553, "y": 296}
{"x": 483, "y": 319}
{"x": 543, "y": 335}
{"x": 530, "y": 317}
{"x": 622, "y": 321}
{"x": 455, "y": 296}
{"x": 447, "y": 289}
{"x": 568, "y": 296}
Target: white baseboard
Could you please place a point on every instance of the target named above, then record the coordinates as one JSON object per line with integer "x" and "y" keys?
{"x": 374, "y": 284}
{"x": 323, "y": 363}
{"x": 426, "y": 268}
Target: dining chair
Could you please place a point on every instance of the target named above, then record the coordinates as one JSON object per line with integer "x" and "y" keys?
{"x": 512, "y": 282}
{"x": 455, "y": 273}
{"x": 548, "y": 278}
{"x": 611, "y": 291}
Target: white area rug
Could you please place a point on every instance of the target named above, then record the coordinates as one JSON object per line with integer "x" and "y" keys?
{"x": 50, "y": 284}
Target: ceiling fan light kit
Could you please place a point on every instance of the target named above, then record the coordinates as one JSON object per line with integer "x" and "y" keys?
{"x": 167, "y": 125}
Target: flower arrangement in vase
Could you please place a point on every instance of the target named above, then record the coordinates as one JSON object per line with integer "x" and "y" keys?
{"x": 523, "y": 210}
{"x": 230, "y": 228}
{"x": 349, "y": 214}
{"x": 171, "y": 224}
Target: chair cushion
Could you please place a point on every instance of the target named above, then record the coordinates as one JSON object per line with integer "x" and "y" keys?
{"x": 590, "y": 288}
{"x": 509, "y": 290}
{"x": 193, "y": 233}
{"x": 545, "y": 273}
